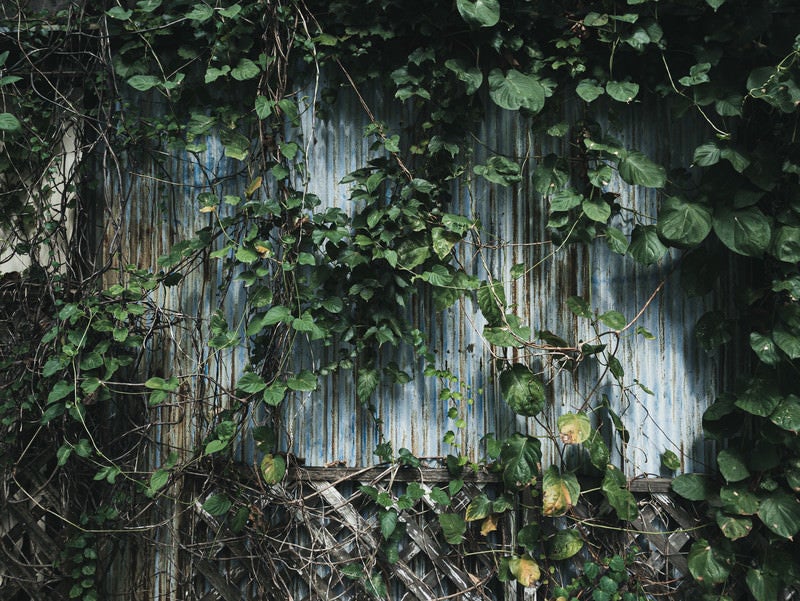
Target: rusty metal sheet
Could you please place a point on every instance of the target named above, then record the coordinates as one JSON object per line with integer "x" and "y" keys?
{"x": 328, "y": 426}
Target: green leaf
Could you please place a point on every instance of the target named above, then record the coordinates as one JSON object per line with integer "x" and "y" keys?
{"x": 737, "y": 160}
{"x": 471, "y": 76}
{"x": 367, "y": 383}
{"x": 780, "y": 512}
{"x": 217, "y": 505}
{"x": 200, "y": 12}
{"x": 525, "y": 570}
{"x": 514, "y": 90}
{"x": 574, "y": 428}
{"x": 215, "y": 446}
{"x": 564, "y": 200}
{"x": 250, "y": 383}
{"x": 763, "y": 585}
{"x": 63, "y": 453}
{"x": 522, "y": 390}
{"x": 670, "y": 461}
{"x": 596, "y": 210}
{"x": 759, "y": 397}
{"x": 491, "y": 302}
{"x": 158, "y": 480}
{"x": 636, "y": 169}
{"x": 683, "y": 223}
{"x": 734, "y": 527}
{"x": 277, "y": 314}
{"x": 764, "y": 347}
{"x": 694, "y": 487}
{"x": 594, "y": 19}
{"x": 479, "y": 508}
{"x": 559, "y": 492}
{"x": 787, "y": 414}
{"x": 732, "y": 465}
{"x": 305, "y": 381}
{"x": 453, "y": 527}
{"x": 709, "y": 564}
{"x": 443, "y": 242}
{"x": 588, "y": 90}
{"x": 622, "y": 91}
{"x": 440, "y": 496}
{"x": 143, "y": 82}
{"x": 564, "y": 544}
{"x": 263, "y": 106}
{"x": 739, "y": 500}
{"x": 388, "y": 521}
{"x": 615, "y": 489}
{"x": 273, "y": 468}
{"x": 83, "y": 448}
{"x": 9, "y": 122}
{"x": 613, "y": 319}
{"x": 529, "y": 536}
{"x": 616, "y": 240}
{"x": 148, "y": 6}
{"x": 519, "y": 457}
{"x": 646, "y": 247}
{"x": 245, "y": 69}
{"x": 119, "y": 13}
{"x": 579, "y": 306}
{"x": 745, "y": 231}
{"x": 479, "y": 13}
{"x": 499, "y": 170}
{"x": 304, "y": 323}
{"x": 599, "y": 455}
{"x": 787, "y": 342}
{"x": 786, "y": 244}
{"x": 706, "y": 155}
{"x": 231, "y": 12}
{"x": 60, "y": 389}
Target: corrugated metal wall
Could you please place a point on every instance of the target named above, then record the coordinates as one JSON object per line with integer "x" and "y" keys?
{"x": 328, "y": 426}
{"x": 157, "y": 208}
{"x": 153, "y": 205}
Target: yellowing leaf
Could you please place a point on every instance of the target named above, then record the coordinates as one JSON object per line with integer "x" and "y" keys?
{"x": 208, "y": 209}
{"x": 254, "y": 185}
{"x": 264, "y": 251}
{"x": 559, "y": 492}
{"x": 273, "y": 468}
{"x": 524, "y": 569}
{"x": 574, "y": 428}
{"x": 489, "y": 525}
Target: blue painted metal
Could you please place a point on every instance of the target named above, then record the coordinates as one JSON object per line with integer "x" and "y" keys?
{"x": 328, "y": 426}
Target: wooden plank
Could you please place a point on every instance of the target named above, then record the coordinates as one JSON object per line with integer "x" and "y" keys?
{"x": 311, "y": 578}
{"x": 224, "y": 589}
{"x": 377, "y": 474}
{"x": 437, "y": 476}
{"x": 41, "y": 541}
{"x": 650, "y": 485}
{"x": 433, "y": 550}
{"x": 358, "y": 525}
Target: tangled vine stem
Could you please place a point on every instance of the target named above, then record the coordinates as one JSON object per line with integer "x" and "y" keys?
{"x": 126, "y": 415}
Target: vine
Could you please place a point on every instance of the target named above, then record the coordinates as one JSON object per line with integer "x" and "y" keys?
{"x": 171, "y": 78}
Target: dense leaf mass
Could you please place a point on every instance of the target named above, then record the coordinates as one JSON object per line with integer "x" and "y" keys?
{"x": 159, "y": 79}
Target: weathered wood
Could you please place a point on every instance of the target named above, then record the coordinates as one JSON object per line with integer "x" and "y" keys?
{"x": 358, "y": 524}
{"x": 42, "y": 543}
{"x": 224, "y": 589}
{"x": 343, "y": 474}
{"x": 650, "y": 485}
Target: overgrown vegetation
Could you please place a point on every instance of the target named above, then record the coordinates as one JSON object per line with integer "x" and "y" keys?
{"x": 143, "y": 83}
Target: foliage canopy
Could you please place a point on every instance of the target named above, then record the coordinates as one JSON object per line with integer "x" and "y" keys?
{"x": 162, "y": 78}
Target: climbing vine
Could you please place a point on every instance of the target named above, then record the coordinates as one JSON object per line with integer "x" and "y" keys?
{"x": 141, "y": 83}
